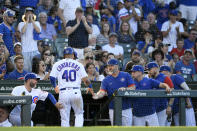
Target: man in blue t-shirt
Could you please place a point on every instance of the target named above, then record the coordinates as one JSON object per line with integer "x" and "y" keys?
{"x": 117, "y": 80}
{"x": 7, "y": 31}
{"x": 184, "y": 67}
{"x": 179, "y": 84}
{"x": 160, "y": 103}
{"x": 190, "y": 41}
{"x": 18, "y": 73}
{"x": 144, "y": 109}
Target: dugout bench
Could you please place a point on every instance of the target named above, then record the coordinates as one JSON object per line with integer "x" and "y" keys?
{"x": 45, "y": 113}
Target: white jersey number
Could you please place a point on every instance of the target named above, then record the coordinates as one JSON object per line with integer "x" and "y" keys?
{"x": 69, "y": 75}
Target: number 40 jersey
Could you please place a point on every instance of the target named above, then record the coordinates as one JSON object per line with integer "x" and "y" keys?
{"x": 69, "y": 73}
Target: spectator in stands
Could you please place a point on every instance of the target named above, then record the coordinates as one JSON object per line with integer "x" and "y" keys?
{"x": 175, "y": 59}
{"x": 95, "y": 28}
{"x": 110, "y": 56}
{"x": 7, "y": 31}
{"x": 179, "y": 50}
{"x": 158, "y": 38}
{"x": 17, "y": 35}
{"x": 92, "y": 42}
{"x": 4, "y": 114}
{"x": 171, "y": 29}
{"x": 48, "y": 59}
{"x": 119, "y": 6}
{"x": 47, "y": 30}
{"x": 158, "y": 57}
{"x": 111, "y": 19}
{"x": 125, "y": 35}
{"x": 152, "y": 22}
{"x": 29, "y": 30}
{"x": 67, "y": 10}
{"x": 131, "y": 14}
{"x": 90, "y": 11}
{"x": 190, "y": 41}
{"x": 17, "y": 50}
{"x": 45, "y": 6}
{"x": 148, "y": 41}
{"x": 78, "y": 31}
{"x": 39, "y": 68}
{"x": 188, "y": 9}
{"x": 103, "y": 37}
{"x": 164, "y": 47}
{"x": 54, "y": 19}
{"x": 3, "y": 66}
{"x": 93, "y": 75}
{"x": 185, "y": 67}
{"x": 19, "y": 73}
{"x": 145, "y": 26}
{"x": 113, "y": 46}
{"x": 104, "y": 20}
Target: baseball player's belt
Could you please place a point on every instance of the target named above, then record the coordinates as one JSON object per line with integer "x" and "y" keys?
{"x": 67, "y": 88}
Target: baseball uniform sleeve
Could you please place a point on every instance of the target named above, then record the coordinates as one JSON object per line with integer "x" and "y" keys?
{"x": 168, "y": 81}
{"x": 15, "y": 91}
{"x": 154, "y": 83}
{"x": 179, "y": 79}
{"x": 130, "y": 80}
{"x": 104, "y": 85}
{"x": 177, "y": 67}
{"x": 1, "y": 29}
{"x": 42, "y": 95}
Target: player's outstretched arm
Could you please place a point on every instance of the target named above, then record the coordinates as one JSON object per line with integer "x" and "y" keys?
{"x": 164, "y": 85}
{"x": 53, "y": 100}
{"x": 89, "y": 84}
{"x": 100, "y": 94}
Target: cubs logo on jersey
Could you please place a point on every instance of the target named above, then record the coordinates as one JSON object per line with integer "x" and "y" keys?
{"x": 35, "y": 99}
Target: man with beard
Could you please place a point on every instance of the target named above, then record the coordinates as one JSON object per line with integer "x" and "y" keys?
{"x": 160, "y": 103}
{"x": 29, "y": 89}
{"x": 117, "y": 80}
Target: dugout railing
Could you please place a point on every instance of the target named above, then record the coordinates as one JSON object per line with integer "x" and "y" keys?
{"x": 24, "y": 101}
{"x": 95, "y": 112}
{"x": 182, "y": 94}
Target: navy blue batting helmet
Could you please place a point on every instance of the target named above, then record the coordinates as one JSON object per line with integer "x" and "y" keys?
{"x": 68, "y": 51}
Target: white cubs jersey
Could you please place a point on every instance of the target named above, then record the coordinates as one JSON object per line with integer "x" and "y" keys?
{"x": 36, "y": 94}
{"x": 69, "y": 73}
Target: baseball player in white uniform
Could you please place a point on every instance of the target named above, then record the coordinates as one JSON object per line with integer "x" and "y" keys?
{"x": 4, "y": 113}
{"x": 29, "y": 89}
{"x": 69, "y": 74}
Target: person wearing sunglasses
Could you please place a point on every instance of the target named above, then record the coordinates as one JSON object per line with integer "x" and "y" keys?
{"x": 48, "y": 59}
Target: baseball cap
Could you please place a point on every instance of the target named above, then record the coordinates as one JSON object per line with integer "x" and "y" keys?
{"x": 17, "y": 43}
{"x": 113, "y": 62}
{"x": 174, "y": 12}
{"x": 152, "y": 65}
{"x": 188, "y": 50}
{"x": 137, "y": 68}
{"x": 29, "y": 9}
{"x": 9, "y": 13}
{"x": 31, "y": 76}
{"x": 68, "y": 51}
{"x": 113, "y": 34}
{"x": 45, "y": 42}
{"x": 165, "y": 68}
{"x": 104, "y": 17}
{"x": 136, "y": 52}
{"x": 79, "y": 9}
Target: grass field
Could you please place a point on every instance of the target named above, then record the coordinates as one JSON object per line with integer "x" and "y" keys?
{"x": 109, "y": 128}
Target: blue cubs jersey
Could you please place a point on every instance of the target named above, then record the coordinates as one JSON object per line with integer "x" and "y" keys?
{"x": 110, "y": 84}
{"x": 145, "y": 106}
{"x": 160, "y": 103}
{"x": 185, "y": 69}
{"x": 15, "y": 75}
{"x": 177, "y": 81}
{"x": 8, "y": 37}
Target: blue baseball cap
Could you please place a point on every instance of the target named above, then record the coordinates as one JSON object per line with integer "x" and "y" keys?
{"x": 31, "y": 76}
{"x": 165, "y": 68}
{"x": 137, "y": 68}
{"x": 152, "y": 65}
{"x": 136, "y": 52}
{"x": 113, "y": 62}
{"x": 104, "y": 17}
{"x": 68, "y": 51}
{"x": 174, "y": 12}
{"x": 9, "y": 13}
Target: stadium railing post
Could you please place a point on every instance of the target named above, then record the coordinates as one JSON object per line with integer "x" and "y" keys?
{"x": 118, "y": 111}
{"x": 182, "y": 114}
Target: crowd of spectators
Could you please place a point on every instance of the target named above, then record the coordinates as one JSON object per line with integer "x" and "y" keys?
{"x": 133, "y": 31}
